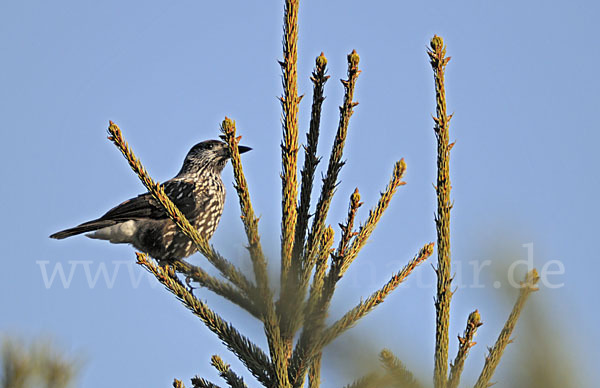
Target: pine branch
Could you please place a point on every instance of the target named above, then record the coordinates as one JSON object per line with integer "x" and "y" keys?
{"x": 289, "y": 148}
{"x": 217, "y": 286}
{"x": 528, "y": 286}
{"x": 316, "y": 288}
{"x": 309, "y": 344}
{"x": 232, "y": 379}
{"x": 374, "y": 216}
{"x": 372, "y": 380}
{"x": 329, "y": 183}
{"x": 465, "y": 344}
{"x": 318, "y": 225}
{"x": 248, "y": 218}
{"x": 311, "y": 160}
{"x": 269, "y": 317}
{"x": 348, "y": 228}
{"x": 278, "y": 350}
{"x": 228, "y": 270}
{"x": 293, "y": 294}
{"x": 312, "y": 314}
{"x": 313, "y": 320}
{"x": 314, "y": 372}
{"x": 198, "y": 382}
{"x": 289, "y": 159}
{"x": 438, "y": 61}
{"x": 335, "y": 163}
{"x": 325, "y": 245}
{"x": 400, "y": 376}
{"x": 351, "y": 317}
{"x": 251, "y": 355}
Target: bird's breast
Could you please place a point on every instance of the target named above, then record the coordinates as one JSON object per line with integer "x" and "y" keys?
{"x": 210, "y": 198}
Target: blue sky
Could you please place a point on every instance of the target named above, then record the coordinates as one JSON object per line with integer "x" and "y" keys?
{"x": 521, "y": 83}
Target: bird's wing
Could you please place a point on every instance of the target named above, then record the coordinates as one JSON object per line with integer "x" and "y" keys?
{"x": 145, "y": 206}
{"x": 142, "y": 207}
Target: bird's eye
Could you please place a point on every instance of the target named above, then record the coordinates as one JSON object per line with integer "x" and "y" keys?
{"x": 209, "y": 146}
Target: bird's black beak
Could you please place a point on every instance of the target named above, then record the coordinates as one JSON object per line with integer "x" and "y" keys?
{"x": 243, "y": 149}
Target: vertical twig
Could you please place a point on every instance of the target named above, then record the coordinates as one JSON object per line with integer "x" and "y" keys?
{"x": 316, "y": 286}
{"x": 292, "y": 295}
{"x": 348, "y": 228}
{"x": 314, "y": 372}
{"x": 325, "y": 251}
{"x": 289, "y": 159}
{"x": 289, "y": 148}
{"x": 465, "y": 344}
{"x": 493, "y": 359}
{"x": 438, "y": 60}
{"x": 311, "y": 160}
{"x": 329, "y": 183}
{"x": 335, "y": 163}
{"x": 249, "y": 219}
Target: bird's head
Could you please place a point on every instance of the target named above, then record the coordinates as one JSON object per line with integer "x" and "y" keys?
{"x": 209, "y": 154}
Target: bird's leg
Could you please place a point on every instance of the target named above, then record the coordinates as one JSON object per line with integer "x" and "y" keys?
{"x": 165, "y": 263}
{"x": 188, "y": 282}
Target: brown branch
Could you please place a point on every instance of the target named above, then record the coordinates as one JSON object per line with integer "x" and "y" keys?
{"x": 314, "y": 372}
{"x": 438, "y": 61}
{"x": 318, "y": 225}
{"x": 309, "y": 343}
{"x": 335, "y": 163}
{"x": 219, "y": 287}
{"x": 178, "y": 384}
{"x": 251, "y": 355}
{"x": 316, "y": 287}
{"x": 311, "y": 160}
{"x": 289, "y": 160}
{"x": 289, "y": 148}
{"x": 198, "y": 382}
{"x": 465, "y": 344}
{"x": 493, "y": 359}
{"x": 248, "y": 218}
{"x": 372, "y": 380}
{"x": 293, "y": 294}
{"x": 374, "y": 216}
{"x": 400, "y": 376}
{"x": 351, "y": 317}
{"x": 348, "y": 228}
{"x": 269, "y": 316}
{"x": 232, "y": 379}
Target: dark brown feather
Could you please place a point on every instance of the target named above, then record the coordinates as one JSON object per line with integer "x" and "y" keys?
{"x": 143, "y": 206}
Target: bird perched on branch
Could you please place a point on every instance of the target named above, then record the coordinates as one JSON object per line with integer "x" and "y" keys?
{"x": 197, "y": 190}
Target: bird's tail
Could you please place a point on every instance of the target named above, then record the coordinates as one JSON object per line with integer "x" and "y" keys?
{"x": 85, "y": 227}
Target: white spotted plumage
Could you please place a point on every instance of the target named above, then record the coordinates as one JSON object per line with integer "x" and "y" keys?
{"x": 197, "y": 190}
